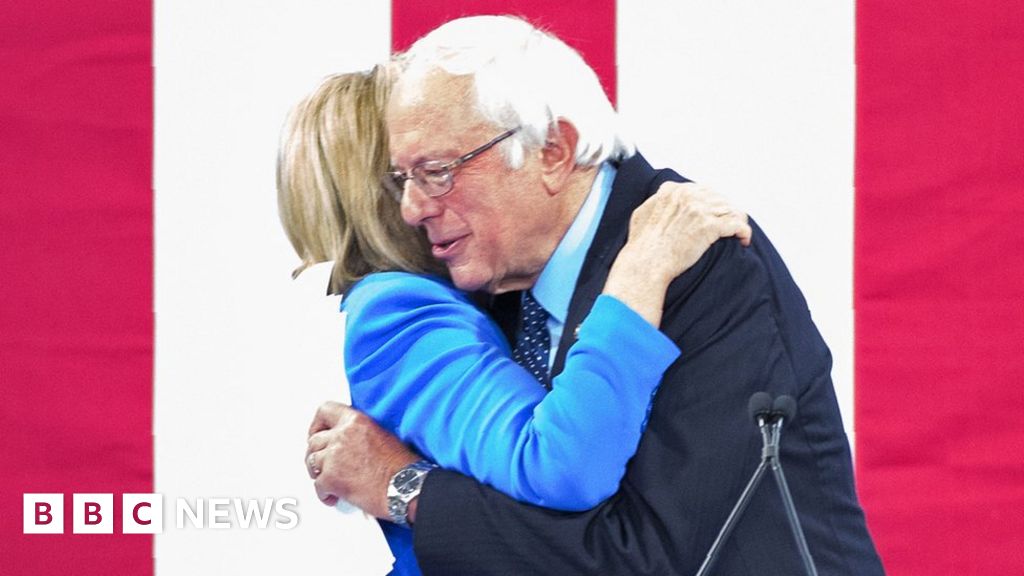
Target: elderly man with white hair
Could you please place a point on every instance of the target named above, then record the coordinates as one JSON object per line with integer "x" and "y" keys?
{"x": 541, "y": 223}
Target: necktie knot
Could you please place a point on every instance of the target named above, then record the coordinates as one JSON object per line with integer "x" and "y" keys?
{"x": 533, "y": 341}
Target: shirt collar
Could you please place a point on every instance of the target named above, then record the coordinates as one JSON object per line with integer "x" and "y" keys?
{"x": 557, "y": 282}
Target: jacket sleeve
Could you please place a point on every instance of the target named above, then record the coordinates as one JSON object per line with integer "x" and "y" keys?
{"x": 431, "y": 367}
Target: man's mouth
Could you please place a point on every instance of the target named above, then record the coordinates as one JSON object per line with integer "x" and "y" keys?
{"x": 447, "y": 249}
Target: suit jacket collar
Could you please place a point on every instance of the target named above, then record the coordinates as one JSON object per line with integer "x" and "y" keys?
{"x": 635, "y": 182}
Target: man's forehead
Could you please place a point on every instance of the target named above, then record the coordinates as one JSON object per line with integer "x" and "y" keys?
{"x": 435, "y": 116}
{"x": 435, "y": 92}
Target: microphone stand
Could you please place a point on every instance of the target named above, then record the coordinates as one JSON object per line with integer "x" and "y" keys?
{"x": 787, "y": 498}
{"x": 770, "y": 424}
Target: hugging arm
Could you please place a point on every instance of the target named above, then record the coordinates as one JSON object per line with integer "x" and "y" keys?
{"x": 657, "y": 522}
{"x": 435, "y": 370}
{"x": 427, "y": 365}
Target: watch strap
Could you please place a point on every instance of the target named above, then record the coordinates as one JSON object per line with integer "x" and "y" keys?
{"x": 404, "y": 486}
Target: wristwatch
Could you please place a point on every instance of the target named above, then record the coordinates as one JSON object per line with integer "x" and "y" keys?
{"x": 404, "y": 486}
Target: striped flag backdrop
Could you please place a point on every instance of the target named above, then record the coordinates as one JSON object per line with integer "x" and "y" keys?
{"x": 151, "y": 339}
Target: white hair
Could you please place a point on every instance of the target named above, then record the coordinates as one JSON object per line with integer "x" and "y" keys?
{"x": 523, "y": 77}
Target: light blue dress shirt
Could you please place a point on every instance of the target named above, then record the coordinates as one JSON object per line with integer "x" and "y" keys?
{"x": 557, "y": 282}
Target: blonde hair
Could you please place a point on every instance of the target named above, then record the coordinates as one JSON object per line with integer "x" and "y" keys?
{"x": 333, "y": 151}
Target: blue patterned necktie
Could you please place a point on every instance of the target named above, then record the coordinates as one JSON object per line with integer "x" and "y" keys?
{"x": 533, "y": 341}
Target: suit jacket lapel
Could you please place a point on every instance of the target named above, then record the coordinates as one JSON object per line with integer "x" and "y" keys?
{"x": 634, "y": 182}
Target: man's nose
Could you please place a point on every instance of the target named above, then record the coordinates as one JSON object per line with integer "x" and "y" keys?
{"x": 417, "y": 206}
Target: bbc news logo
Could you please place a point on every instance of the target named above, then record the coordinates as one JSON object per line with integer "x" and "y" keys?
{"x": 144, "y": 513}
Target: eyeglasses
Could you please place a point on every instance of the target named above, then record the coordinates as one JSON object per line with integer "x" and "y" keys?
{"x": 434, "y": 177}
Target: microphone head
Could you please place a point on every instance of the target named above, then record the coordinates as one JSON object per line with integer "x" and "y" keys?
{"x": 760, "y": 405}
{"x": 784, "y": 406}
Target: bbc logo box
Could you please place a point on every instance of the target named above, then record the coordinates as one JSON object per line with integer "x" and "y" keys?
{"x": 43, "y": 514}
{"x": 92, "y": 514}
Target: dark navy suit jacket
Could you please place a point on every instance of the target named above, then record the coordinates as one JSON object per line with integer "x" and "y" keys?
{"x": 743, "y": 326}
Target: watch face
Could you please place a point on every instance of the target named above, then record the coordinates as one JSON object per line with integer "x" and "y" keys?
{"x": 403, "y": 478}
{"x": 410, "y": 485}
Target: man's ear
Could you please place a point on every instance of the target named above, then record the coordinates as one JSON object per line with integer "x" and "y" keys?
{"x": 558, "y": 156}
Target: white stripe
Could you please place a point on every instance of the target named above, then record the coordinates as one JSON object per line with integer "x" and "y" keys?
{"x": 757, "y": 100}
{"x": 243, "y": 354}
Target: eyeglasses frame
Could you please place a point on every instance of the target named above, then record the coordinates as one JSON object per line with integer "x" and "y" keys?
{"x": 394, "y": 180}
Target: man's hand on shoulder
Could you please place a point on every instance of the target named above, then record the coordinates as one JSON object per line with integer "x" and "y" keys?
{"x": 350, "y": 457}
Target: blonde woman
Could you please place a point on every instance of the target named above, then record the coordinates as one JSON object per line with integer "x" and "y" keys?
{"x": 432, "y": 367}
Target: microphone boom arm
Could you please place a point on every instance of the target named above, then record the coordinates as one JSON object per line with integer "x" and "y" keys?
{"x": 770, "y": 424}
{"x": 787, "y": 503}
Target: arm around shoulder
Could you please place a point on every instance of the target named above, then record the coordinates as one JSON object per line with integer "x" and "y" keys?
{"x": 433, "y": 369}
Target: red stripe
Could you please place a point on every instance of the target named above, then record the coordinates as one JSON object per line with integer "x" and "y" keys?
{"x": 587, "y": 26}
{"x": 940, "y": 283}
{"x": 76, "y": 328}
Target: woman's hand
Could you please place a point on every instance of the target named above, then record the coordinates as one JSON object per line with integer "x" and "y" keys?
{"x": 671, "y": 230}
{"x": 668, "y": 233}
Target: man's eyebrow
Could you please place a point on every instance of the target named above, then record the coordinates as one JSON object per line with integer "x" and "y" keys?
{"x": 446, "y": 155}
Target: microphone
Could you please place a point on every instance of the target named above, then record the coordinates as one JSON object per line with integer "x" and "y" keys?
{"x": 760, "y": 407}
{"x": 784, "y": 407}
{"x": 770, "y": 416}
